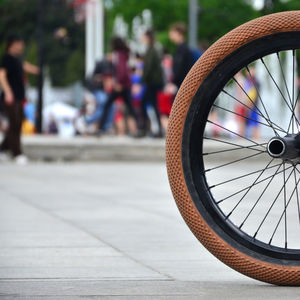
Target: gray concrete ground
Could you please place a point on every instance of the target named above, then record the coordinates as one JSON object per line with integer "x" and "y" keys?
{"x": 83, "y": 148}
{"x": 107, "y": 148}
{"x": 106, "y": 231}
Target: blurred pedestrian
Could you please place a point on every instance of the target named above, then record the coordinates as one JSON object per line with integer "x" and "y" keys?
{"x": 240, "y": 107}
{"x": 12, "y": 70}
{"x": 100, "y": 85}
{"x": 153, "y": 80}
{"x": 251, "y": 87}
{"x": 3, "y": 119}
{"x": 137, "y": 86}
{"x": 166, "y": 97}
{"x": 122, "y": 85}
{"x": 183, "y": 58}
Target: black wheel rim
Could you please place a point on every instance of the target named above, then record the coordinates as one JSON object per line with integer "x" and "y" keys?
{"x": 202, "y": 173}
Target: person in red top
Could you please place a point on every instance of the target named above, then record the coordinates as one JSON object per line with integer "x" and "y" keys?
{"x": 122, "y": 86}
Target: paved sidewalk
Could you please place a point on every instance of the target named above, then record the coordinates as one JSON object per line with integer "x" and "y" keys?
{"x": 114, "y": 148}
{"x": 106, "y": 231}
{"x": 87, "y": 148}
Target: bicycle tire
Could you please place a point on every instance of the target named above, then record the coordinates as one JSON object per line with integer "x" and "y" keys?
{"x": 260, "y": 266}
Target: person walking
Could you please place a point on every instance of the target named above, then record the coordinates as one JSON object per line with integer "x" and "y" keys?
{"x": 12, "y": 70}
{"x": 152, "y": 79}
{"x": 183, "y": 58}
{"x": 122, "y": 85}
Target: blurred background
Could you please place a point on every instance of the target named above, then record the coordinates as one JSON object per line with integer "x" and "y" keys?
{"x": 71, "y": 42}
{"x": 100, "y": 218}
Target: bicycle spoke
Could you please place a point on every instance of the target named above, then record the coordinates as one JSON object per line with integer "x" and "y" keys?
{"x": 284, "y": 99}
{"x": 235, "y": 161}
{"x": 288, "y": 93}
{"x": 284, "y": 79}
{"x": 293, "y": 117}
{"x": 284, "y": 199}
{"x": 243, "y": 176}
{"x": 233, "y": 149}
{"x": 220, "y": 126}
{"x": 297, "y": 195}
{"x": 237, "y": 114}
{"x": 261, "y": 195}
{"x": 293, "y": 87}
{"x": 240, "y": 191}
{"x": 259, "y": 97}
{"x": 254, "y": 104}
{"x": 294, "y": 107}
{"x": 243, "y": 104}
{"x": 245, "y": 194}
{"x": 260, "y": 225}
{"x": 284, "y": 214}
{"x": 233, "y": 144}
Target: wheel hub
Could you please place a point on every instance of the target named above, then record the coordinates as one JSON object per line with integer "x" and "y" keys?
{"x": 287, "y": 148}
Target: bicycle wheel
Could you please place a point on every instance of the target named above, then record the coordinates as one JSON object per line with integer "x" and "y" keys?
{"x": 237, "y": 191}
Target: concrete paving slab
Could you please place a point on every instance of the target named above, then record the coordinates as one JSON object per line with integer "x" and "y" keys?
{"x": 114, "y": 148}
{"x": 92, "y": 289}
{"x": 54, "y": 148}
{"x": 106, "y": 231}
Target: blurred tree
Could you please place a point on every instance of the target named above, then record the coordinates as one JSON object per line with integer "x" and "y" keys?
{"x": 271, "y": 6}
{"x": 63, "y": 36}
{"x": 164, "y": 14}
{"x": 32, "y": 56}
{"x": 216, "y": 16}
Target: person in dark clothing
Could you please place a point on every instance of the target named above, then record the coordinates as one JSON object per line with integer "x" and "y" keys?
{"x": 12, "y": 82}
{"x": 183, "y": 58}
{"x": 122, "y": 84}
{"x": 152, "y": 78}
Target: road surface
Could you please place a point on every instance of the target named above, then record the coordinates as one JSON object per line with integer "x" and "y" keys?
{"x": 106, "y": 231}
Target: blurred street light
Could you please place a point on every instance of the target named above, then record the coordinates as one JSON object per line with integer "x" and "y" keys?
{"x": 94, "y": 34}
{"x": 193, "y": 23}
{"x": 41, "y": 15}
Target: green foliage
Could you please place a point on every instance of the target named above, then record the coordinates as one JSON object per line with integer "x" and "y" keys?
{"x": 60, "y": 52}
{"x": 20, "y": 16}
{"x": 65, "y": 58}
{"x": 31, "y": 55}
{"x": 278, "y": 6}
{"x": 164, "y": 14}
{"x": 219, "y": 17}
{"x": 216, "y": 16}
{"x": 75, "y": 67}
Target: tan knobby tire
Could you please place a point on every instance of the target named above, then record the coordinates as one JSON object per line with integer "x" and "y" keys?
{"x": 241, "y": 262}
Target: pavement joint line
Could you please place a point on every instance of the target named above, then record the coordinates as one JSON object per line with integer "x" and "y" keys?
{"x": 44, "y": 210}
{"x": 100, "y": 295}
{"x": 89, "y": 279}
{"x": 106, "y": 295}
